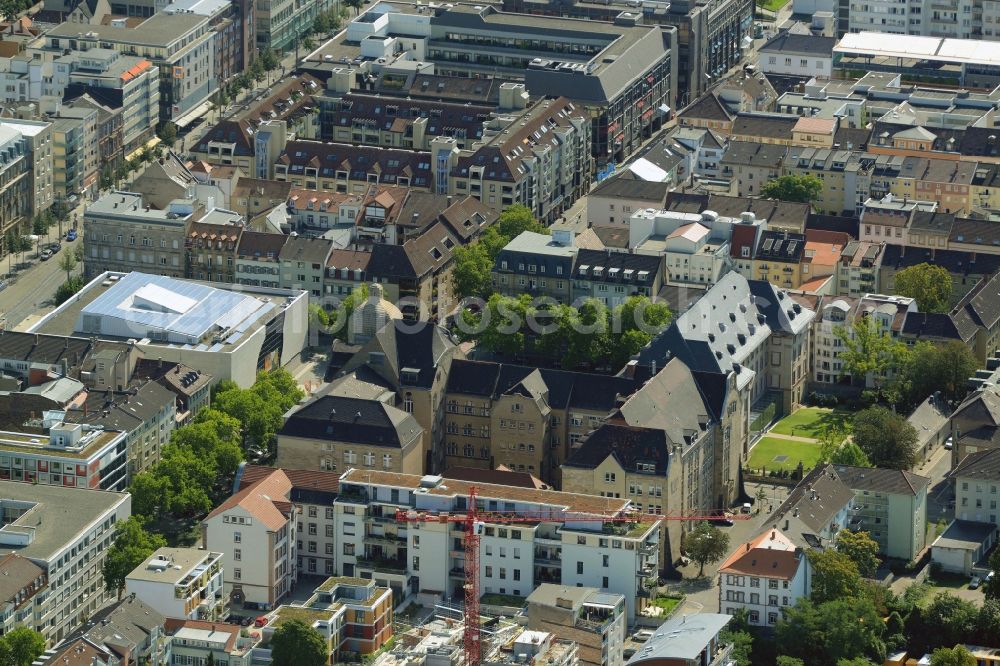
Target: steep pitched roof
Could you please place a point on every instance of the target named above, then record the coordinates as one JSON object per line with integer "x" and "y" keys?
{"x": 356, "y": 420}
{"x": 891, "y": 481}
{"x": 982, "y": 465}
{"x": 630, "y": 446}
{"x": 770, "y": 555}
{"x": 259, "y": 500}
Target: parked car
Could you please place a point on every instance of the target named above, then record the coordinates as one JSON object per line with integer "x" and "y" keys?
{"x": 55, "y": 247}
{"x": 260, "y": 621}
{"x": 948, "y": 443}
{"x": 975, "y": 582}
{"x": 71, "y": 235}
{"x": 46, "y": 254}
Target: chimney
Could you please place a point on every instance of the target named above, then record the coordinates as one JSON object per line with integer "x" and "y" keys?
{"x": 774, "y": 535}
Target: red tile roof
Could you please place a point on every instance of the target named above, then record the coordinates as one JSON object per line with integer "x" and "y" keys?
{"x": 264, "y": 500}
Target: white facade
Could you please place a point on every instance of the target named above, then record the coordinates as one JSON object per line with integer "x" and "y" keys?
{"x": 796, "y": 64}
{"x": 427, "y": 556}
{"x": 180, "y": 583}
{"x": 258, "y": 562}
{"x": 763, "y": 597}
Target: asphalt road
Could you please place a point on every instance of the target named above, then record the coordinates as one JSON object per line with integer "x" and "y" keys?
{"x": 32, "y": 287}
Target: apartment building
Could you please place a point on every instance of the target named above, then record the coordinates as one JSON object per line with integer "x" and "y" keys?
{"x": 353, "y": 614}
{"x": 614, "y": 277}
{"x": 123, "y": 234}
{"x": 210, "y": 246}
{"x": 16, "y": 195}
{"x": 233, "y": 140}
{"x": 313, "y": 493}
{"x": 257, "y": 259}
{"x": 891, "y": 506}
{"x": 859, "y": 268}
{"x": 790, "y": 54}
{"x": 427, "y": 556}
{"x": 816, "y": 509}
{"x": 527, "y": 419}
{"x": 263, "y": 514}
{"x": 180, "y": 583}
{"x": 749, "y": 165}
{"x": 763, "y": 576}
{"x": 181, "y": 45}
{"x": 232, "y": 50}
{"x": 37, "y": 139}
{"x": 947, "y": 183}
{"x": 977, "y": 317}
{"x": 688, "y": 640}
{"x": 976, "y": 480}
{"x": 66, "y": 532}
{"x": 592, "y": 619}
{"x": 777, "y": 258}
{"x": 125, "y": 632}
{"x": 537, "y": 264}
{"x": 23, "y": 592}
{"x": 282, "y": 23}
{"x": 188, "y": 641}
{"x": 369, "y": 434}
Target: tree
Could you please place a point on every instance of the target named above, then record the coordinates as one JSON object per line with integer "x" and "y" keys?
{"x": 355, "y": 5}
{"x": 991, "y": 587}
{"x": 869, "y": 353}
{"x": 949, "y": 619}
{"x": 132, "y": 545}
{"x": 760, "y": 497}
{"x": 168, "y": 133}
{"x": 210, "y": 660}
{"x": 742, "y": 643}
{"x": 988, "y": 622}
{"x": 956, "y": 656}
{"x": 801, "y": 189}
{"x": 295, "y": 643}
{"x": 107, "y": 178}
{"x": 38, "y": 226}
{"x": 835, "y": 575}
{"x": 9, "y": 9}
{"x": 861, "y": 549}
{"x": 944, "y": 367}
{"x": 930, "y": 285}
{"x": 887, "y": 438}
{"x": 895, "y": 631}
{"x": 473, "y": 272}
{"x": 785, "y": 660}
{"x": 67, "y": 262}
{"x": 67, "y": 289}
{"x": 823, "y": 634}
{"x": 705, "y": 544}
{"x": 850, "y": 454}
{"x": 21, "y": 646}
{"x": 516, "y": 219}
{"x": 857, "y": 661}
{"x": 151, "y": 494}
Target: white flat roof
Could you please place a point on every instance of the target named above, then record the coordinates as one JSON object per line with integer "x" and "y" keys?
{"x": 959, "y": 51}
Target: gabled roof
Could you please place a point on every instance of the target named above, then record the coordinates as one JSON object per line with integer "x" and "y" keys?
{"x": 786, "y": 42}
{"x": 982, "y": 465}
{"x": 890, "y": 481}
{"x": 502, "y": 476}
{"x": 770, "y": 555}
{"x": 707, "y": 107}
{"x": 261, "y": 500}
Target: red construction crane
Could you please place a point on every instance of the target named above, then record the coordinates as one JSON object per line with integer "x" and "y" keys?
{"x": 473, "y": 518}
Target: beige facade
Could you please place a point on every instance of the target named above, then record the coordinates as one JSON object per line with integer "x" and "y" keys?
{"x": 307, "y": 453}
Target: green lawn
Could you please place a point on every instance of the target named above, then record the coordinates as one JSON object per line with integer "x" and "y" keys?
{"x": 813, "y": 422}
{"x": 772, "y": 5}
{"x": 668, "y": 604}
{"x": 767, "y": 448}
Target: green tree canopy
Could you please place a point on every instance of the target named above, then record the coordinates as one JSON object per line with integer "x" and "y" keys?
{"x": 516, "y": 219}
{"x": 823, "y": 634}
{"x": 131, "y": 546}
{"x": 706, "y": 543}
{"x": 956, "y": 656}
{"x": 168, "y": 133}
{"x": 295, "y": 643}
{"x": 472, "y": 274}
{"x": 20, "y": 647}
{"x": 944, "y": 367}
{"x": 988, "y": 622}
{"x": 742, "y": 643}
{"x": 861, "y": 549}
{"x": 930, "y": 285}
{"x": 801, "y": 189}
{"x": 870, "y": 353}
{"x": 851, "y": 454}
{"x": 785, "y": 660}
{"x": 835, "y": 575}
{"x": 950, "y": 620}
{"x": 888, "y": 439}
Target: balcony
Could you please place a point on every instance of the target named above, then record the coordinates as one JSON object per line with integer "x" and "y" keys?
{"x": 544, "y": 558}
{"x": 383, "y": 565}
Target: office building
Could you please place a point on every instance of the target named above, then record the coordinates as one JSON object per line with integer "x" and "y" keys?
{"x": 66, "y": 532}
{"x": 592, "y": 619}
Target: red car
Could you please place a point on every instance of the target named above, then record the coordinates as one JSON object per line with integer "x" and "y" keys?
{"x": 260, "y": 621}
